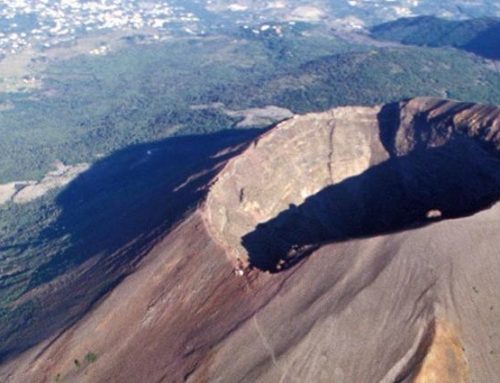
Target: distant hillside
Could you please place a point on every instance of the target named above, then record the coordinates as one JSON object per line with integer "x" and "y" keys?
{"x": 479, "y": 36}
{"x": 379, "y": 76}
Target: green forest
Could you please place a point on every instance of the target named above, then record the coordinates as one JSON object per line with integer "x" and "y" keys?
{"x": 479, "y": 36}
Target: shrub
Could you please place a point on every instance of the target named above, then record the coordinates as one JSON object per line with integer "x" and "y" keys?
{"x": 90, "y": 357}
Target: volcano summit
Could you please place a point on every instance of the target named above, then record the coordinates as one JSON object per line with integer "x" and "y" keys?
{"x": 355, "y": 245}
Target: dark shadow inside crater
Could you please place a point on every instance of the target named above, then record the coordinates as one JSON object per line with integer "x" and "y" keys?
{"x": 456, "y": 179}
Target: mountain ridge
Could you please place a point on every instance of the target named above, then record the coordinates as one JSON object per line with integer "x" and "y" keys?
{"x": 478, "y": 36}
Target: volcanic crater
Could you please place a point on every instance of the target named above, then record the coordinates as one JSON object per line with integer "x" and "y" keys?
{"x": 354, "y": 245}
{"x": 354, "y": 172}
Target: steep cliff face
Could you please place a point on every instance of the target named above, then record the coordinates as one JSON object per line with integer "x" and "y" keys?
{"x": 371, "y": 280}
{"x": 428, "y": 122}
{"x": 293, "y": 161}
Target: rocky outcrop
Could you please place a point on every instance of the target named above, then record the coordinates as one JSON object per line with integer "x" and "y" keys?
{"x": 293, "y": 161}
{"x": 428, "y": 123}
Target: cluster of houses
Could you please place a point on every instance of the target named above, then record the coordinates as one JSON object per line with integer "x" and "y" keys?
{"x": 48, "y": 23}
